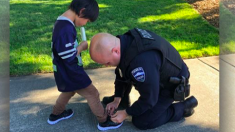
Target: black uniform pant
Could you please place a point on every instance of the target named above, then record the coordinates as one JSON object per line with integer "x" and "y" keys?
{"x": 164, "y": 111}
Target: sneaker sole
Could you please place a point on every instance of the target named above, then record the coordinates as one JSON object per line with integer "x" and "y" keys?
{"x": 108, "y": 128}
{"x": 56, "y": 121}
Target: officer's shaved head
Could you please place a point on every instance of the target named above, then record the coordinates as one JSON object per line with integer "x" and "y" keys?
{"x": 101, "y": 47}
{"x": 100, "y": 41}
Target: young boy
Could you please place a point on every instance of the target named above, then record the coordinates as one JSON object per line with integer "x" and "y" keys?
{"x": 69, "y": 74}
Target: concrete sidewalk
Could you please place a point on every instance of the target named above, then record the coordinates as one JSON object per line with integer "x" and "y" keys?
{"x": 32, "y": 98}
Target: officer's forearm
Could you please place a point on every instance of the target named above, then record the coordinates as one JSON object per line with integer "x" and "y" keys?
{"x": 117, "y": 99}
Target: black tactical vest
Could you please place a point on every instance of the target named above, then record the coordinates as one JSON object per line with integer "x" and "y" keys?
{"x": 145, "y": 40}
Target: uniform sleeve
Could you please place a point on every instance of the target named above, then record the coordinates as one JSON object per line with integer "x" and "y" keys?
{"x": 146, "y": 77}
{"x": 65, "y": 47}
{"x": 119, "y": 84}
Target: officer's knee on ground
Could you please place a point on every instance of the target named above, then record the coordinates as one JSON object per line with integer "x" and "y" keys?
{"x": 139, "y": 124}
{"x": 144, "y": 125}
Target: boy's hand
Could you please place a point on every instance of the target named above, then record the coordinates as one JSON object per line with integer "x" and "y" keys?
{"x": 84, "y": 45}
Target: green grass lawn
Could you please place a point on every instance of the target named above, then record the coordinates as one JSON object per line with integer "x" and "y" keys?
{"x": 227, "y": 31}
{"x": 31, "y": 23}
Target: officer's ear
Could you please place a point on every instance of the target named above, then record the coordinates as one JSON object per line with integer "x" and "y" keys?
{"x": 116, "y": 50}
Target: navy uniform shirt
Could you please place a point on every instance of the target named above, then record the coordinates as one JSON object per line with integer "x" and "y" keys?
{"x": 144, "y": 74}
{"x": 68, "y": 71}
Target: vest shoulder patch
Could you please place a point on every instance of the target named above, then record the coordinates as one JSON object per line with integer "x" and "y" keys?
{"x": 144, "y": 34}
{"x": 139, "y": 74}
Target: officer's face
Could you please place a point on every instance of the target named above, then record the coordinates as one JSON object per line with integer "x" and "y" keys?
{"x": 109, "y": 59}
{"x": 112, "y": 62}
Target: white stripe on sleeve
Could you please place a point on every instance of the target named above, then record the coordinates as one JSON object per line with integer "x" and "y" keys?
{"x": 68, "y": 45}
{"x": 67, "y": 56}
{"x": 66, "y": 52}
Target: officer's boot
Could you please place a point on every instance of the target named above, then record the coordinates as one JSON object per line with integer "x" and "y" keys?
{"x": 189, "y": 105}
{"x": 125, "y": 102}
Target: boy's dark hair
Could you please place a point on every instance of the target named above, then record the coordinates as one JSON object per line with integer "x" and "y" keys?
{"x": 91, "y": 11}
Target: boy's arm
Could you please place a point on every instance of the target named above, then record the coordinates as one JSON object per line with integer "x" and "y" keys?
{"x": 83, "y": 46}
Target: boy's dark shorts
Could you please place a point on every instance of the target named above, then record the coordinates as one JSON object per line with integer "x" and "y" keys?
{"x": 71, "y": 79}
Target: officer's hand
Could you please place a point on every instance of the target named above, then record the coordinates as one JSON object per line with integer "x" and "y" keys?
{"x": 119, "y": 116}
{"x": 111, "y": 107}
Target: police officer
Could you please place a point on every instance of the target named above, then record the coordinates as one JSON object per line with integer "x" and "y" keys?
{"x": 154, "y": 67}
